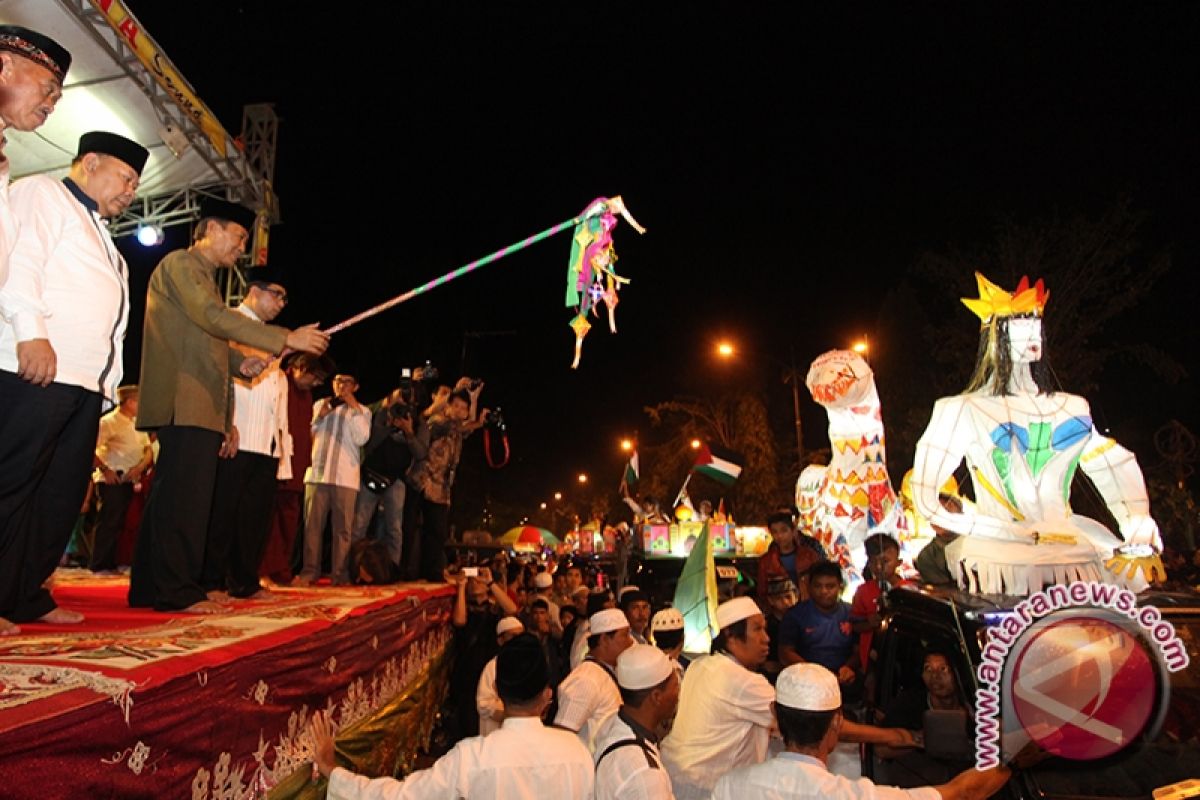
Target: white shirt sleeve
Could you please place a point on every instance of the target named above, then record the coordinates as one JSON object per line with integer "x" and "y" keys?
{"x": 446, "y": 778}
{"x": 575, "y": 701}
{"x": 360, "y": 427}
{"x": 40, "y": 229}
{"x": 487, "y": 701}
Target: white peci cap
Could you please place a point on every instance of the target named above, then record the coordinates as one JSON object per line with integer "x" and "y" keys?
{"x": 607, "y": 621}
{"x": 642, "y": 666}
{"x": 668, "y": 619}
{"x": 736, "y": 610}
{"x": 542, "y": 580}
{"x": 507, "y": 624}
{"x": 808, "y": 687}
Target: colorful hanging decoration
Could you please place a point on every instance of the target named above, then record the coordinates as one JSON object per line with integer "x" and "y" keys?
{"x": 591, "y": 277}
{"x": 591, "y": 280}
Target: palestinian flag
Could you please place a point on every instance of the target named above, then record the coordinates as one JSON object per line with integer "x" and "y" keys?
{"x": 633, "y": 470}
{"x": 723, "y": 466}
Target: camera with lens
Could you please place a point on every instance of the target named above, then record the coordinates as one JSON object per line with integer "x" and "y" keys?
{"x": 428, "y": 372}
{"x": 495, "y": 420}
{"x": 399, "y": 411}
{"x": 335, "y": 401}
{"x": 475, "y": 384}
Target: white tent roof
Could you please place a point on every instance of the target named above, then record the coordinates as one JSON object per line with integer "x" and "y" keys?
{"x": 109, "y": 87}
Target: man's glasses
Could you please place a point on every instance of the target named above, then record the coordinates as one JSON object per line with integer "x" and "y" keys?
{"x": 280, "y": 294}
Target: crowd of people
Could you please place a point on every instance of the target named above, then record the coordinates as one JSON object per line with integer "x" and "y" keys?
{"x": 560, "y": 688}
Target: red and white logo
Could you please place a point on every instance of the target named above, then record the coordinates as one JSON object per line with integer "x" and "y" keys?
{"x": 1083, "y": 688}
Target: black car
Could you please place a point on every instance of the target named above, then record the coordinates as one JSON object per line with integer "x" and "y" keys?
{"x": 958, "y": 624}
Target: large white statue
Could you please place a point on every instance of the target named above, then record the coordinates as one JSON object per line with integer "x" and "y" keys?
{"x": 845, "y": 502}
{"x": 1023, "y": 443}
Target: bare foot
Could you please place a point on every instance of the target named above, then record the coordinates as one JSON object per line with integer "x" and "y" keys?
{"x": 61, "y": 616}
{"x": 8, "y": 628}
{"x": 218, "y": 596}
{"x": 204, "y": 607}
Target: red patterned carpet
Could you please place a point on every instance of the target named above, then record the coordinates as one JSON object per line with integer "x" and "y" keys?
{"x": 134, "y": 703}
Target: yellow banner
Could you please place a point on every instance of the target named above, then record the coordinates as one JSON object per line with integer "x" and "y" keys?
{"x": 164, "y": 72}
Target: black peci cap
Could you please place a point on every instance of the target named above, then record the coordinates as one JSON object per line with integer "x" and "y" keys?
{"x": 37, "y": 47}
{"x": 111, "y": 144}
{"x": 212, "y": 208}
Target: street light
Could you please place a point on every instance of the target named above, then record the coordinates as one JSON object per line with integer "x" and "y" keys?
{"x": 790, "y": 376}
{"x": 558, "y": 495}
{"x": 862, "y": 346}
{"x": 627, "y": 445}
{"x": 582, "y": 477}
{"x": 543, "y": 506}
{"x": 696, "y": 444}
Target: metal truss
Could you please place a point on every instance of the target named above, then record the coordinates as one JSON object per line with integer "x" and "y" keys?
{"x": 244, "y": 174}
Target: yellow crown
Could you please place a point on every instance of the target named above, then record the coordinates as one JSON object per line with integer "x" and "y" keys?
{"x": 994, "y": 302}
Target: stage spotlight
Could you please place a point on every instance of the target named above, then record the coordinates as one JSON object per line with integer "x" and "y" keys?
{"x": 149, "y": 235}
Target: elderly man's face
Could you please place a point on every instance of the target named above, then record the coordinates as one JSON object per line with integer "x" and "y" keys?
{"x": 28, "y": 92}
{"x": 110, "y": 182}
{"x": 227, "y": 241}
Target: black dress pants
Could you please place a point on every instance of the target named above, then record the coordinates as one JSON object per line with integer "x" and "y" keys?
{"x": 110, "y": 520}
{"x": 240, "y": 522}
{"x": 47, "y": 444}
{"x": 169, "y": 557}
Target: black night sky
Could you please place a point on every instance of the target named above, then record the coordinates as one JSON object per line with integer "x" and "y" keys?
{"x": 790, "y": 161}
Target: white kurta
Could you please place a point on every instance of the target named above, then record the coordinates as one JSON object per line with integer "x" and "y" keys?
{"x": 586, "y": 697}
{"x": 791, "y": 776}
{"x": 119, "y": 445}
{"x": 626, "y": 773}
{"x": 8, "y": 222}
{"x": 522, "y": 760}
{"x": 724, "y": 722}
{"x": 338, "y": 438}
{"x": 260, "y": 406}
{"x": 66, "y": 283}
{"x": 487, "y": 700}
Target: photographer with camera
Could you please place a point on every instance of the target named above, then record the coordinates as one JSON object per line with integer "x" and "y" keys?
{"x": 390, "y": 450}
{"x": 340, "y": 426}
{"x": 450, "y": 418}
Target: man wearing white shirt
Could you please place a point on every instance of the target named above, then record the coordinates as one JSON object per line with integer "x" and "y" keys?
{"x": 590, "y": 693}
{"x": 522, "y": 760}
{"x": 487, "y": 698}
{"x": 65, "y": 307}
{"x": 724, "y": 719}
{"x": 628, "y": 766}
{"x": 341, "y": 426}
{"x": 245, "y": 485}
{"x": 32, "y": 69}
{"x": 808, "y": 711}
{"x": 123, "y": 455}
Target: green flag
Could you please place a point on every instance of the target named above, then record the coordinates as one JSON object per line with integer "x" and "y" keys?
{"x": 696, "y": 596}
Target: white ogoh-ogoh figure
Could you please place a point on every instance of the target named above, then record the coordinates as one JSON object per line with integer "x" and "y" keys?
{"x": 845, "y": 502}
{"x": 1023, "y": 443}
